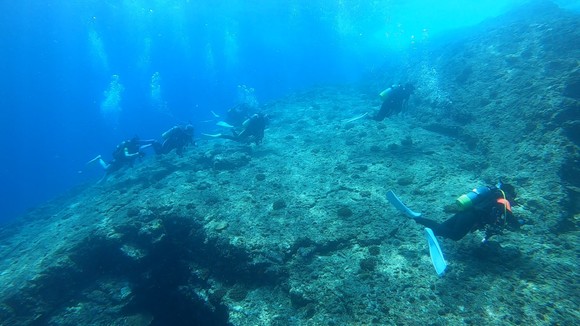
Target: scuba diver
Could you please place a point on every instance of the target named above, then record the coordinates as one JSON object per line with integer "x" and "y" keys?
{"x": 178, "y": 137}
{"x": 252, "y": 132}
{"x": 395, "y": 99}
{"x": 124, "y": 154}
{"x": 484, "y": 208}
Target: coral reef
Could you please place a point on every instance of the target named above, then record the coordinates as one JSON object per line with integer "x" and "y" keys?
{"x": 297, "y": 231}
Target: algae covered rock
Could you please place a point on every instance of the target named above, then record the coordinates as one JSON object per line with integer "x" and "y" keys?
{"x": 297, "y": 230}
{"x": 230, "y": 161}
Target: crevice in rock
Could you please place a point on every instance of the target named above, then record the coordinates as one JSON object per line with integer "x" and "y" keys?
{"x": 162, "y": 277}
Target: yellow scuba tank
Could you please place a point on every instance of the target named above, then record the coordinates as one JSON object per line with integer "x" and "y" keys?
{"x": 384, "y": 94}
{"x": 168, "y": 133}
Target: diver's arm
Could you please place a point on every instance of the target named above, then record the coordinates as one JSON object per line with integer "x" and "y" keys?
{"x": 169, "y": 132}
{"x": 127, "y": 154}
{"x": 146, "y": 142}
{"x": 493, "y": 224}
{"x": 489, "y": 232}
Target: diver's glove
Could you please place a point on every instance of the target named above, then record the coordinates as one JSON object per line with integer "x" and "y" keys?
{"x": 490, "y": 231}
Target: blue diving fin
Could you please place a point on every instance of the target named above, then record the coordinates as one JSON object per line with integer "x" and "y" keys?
{"x": 398, "y": 204}
{"x": 435, "y": 252}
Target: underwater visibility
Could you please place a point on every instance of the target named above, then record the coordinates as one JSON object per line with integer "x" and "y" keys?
{"x": 290, "y": 162}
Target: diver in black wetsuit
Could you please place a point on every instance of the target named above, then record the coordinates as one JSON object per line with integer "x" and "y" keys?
{"x": 395, "y": 99}
{"x": 124, "y": 154}
{"x": 487, "y": 208}
{"x": 252, "y": 132}
{"x": 176, "y": 138}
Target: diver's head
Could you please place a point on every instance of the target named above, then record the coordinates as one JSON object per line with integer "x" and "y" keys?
{"x": 509, "y": 190}
{"x": 410, "y": 88}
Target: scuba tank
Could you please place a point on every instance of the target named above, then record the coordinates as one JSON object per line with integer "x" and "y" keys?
{"x": 473, "y": 198}
{"x": 384, "y": 94}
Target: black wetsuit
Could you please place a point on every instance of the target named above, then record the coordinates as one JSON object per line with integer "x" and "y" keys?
{"x": 252, "y": 132}
{"x": 490, "y": 215}
{"x": 126, "y": 153}
{"x": 176, "y": 138}
{"x": 394, "y": 101}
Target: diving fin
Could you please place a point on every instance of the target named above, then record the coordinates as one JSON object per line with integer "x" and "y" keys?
{"x": 95, "y": 159}
{"x": 435, "y": 252}
{"x": 224, "y": 124}
{"x": 356, "y": 118}
{"x": 212, "y": 135}
{"x": 398, "y": 204}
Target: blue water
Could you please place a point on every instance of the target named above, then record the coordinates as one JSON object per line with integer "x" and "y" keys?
{"x": 78, "y": 77}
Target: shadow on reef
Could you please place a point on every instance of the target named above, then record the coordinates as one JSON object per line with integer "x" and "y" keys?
{"x": 572, "y": 87}
{"x": 569, "y": 120}
{"x": 486, "y": 265}
{"x": 162, "y": 290}
{"x": 491, "y": 257}
{"x": 169, "y": 276}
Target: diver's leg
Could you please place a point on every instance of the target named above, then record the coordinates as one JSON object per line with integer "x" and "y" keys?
{"x": 98, "y": 157}
{"x": 444, "y": 229}
{"x": 114, "y": 165}
{"x": 104, "y": 164}
{"x": 230, "y": 137}
{"x": 103, "y": 178}
{"x": 459, "y": 225}
{"x": 380, "y": 116}
{"x": 167, "y": 146}
{"x": 157, "y": 148}
{"x": 433, "y": 225}
{"x": 143, "y": 144}
{"x": 244, "y": 134}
